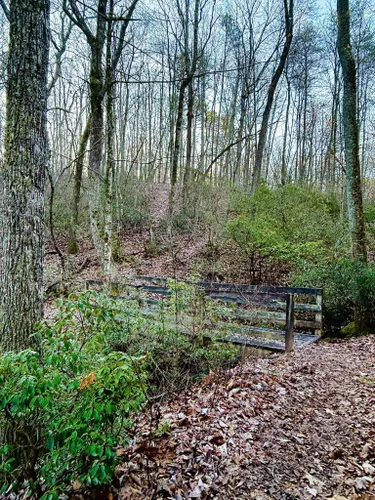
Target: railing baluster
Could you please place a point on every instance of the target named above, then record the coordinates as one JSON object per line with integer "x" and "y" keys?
{"x": 289, "y": 328}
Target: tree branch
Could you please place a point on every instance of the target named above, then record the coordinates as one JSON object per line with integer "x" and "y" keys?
{"x": 59, "y": 54}
{"x": 76, "y": 17}
{"x": 5, "y": 10}
{"x": 124, "y": 27}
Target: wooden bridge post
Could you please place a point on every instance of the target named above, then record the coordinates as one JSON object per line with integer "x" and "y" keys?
{"x": 318, "y": 315}
{"x": 289, "y": 329}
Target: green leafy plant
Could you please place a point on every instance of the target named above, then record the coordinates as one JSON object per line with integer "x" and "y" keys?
{"x": 163, "y": 428}
{"x": 66, "y": 406}
{"x": 175, "y": 335}
{"x": 349, "y": 288}
{"x": 295, "y": 225}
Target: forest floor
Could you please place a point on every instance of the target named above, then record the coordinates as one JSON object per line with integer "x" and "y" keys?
{"x": 283, "y": 427}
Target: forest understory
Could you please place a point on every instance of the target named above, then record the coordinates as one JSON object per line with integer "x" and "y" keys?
{"x": 202, "y": 252}
{"x": 187, "y": 188}
{"x": 283, "y": 427}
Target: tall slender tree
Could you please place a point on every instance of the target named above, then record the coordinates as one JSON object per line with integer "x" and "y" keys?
{"x": 351, "y": 133}
{"x": 23, "y": 172}
{"x": 288, "y": 14}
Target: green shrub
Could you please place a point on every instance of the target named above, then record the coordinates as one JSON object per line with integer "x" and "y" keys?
{"x": 369, "y": 213}
{"x": 292, "y": 224}
{"x": 66, "y": 406}
{"x": 348, "y": 287}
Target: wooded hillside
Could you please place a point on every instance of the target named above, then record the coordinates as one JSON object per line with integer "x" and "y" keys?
{"x": 187, "y": 186}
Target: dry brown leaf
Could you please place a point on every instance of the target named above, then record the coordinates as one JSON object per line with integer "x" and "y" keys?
{"x": 86, "y": 381}
{"x": 365, "y": 451}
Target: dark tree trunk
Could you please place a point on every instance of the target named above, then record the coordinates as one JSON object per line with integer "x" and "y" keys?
{"x": 288, "y": 11}
{"x": 23, "y": 173}
{"x": 110, "y": 163}
{"x": 187, "y": 83}
{"x": 96, "y": 107}
{"x": 189, "y": 138}
{"x": 177, "y": 143}
{"x": 351, "y": 133}
{"x": 284, "y": 169}
{"x": 72, "y": 243}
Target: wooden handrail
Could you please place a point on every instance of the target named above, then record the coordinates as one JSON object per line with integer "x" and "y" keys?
{"x": 270, "y": 298}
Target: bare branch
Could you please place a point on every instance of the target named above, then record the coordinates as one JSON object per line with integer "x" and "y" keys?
{"x": 76, "y": 17}
{"x": 5, "y": 9}
{"x": 59, "y": 54}
{"x": 121, "y": 41}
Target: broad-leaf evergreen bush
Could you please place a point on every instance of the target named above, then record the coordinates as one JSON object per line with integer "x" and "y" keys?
{"x": 304, "y": 228}
{"x": 292, "y": 224}
{"x": 349, "y": 289}
{"x": 67, "y": 405}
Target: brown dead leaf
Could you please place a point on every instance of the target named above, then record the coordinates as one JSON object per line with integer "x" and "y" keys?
{"x": 218, "y": 439}
{"x": 365, "y": 451}
{"x": 86, "y": 381}
{"x": 76, "y": 484}
{"x": 258, "y": 443}
{"x": 336, "y": 454}
{"x": 145, "y": 448}
{"x": 368, "y": 468}
{"x": 184, "y": 422}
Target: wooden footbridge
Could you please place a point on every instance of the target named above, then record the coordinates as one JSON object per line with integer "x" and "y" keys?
{"x": 268, "y": 317}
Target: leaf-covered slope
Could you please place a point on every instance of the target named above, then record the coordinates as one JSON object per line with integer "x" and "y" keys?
{"x": 282, "y": 427}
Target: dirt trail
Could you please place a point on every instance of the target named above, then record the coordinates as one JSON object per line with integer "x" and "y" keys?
{"x": 295, "y": 427}
{"x": 158, "y": 195}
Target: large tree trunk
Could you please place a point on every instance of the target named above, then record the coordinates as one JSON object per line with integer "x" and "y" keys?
{"x": 351, "y": 133}
{"x": 109, "y": 169}
{"x": 288, "y": 11}
{"x": 23, "y": 173}
{"x": 189, "y": 141}
{"x": 97, "y": 125}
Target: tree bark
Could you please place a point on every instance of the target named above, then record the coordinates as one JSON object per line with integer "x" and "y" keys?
{"x": 23, "y": 173}
{"x": 177, "y": 143}
{"x": 108, "y": 176}
{"x": 351, "y": 133}
{"x": 284, "y": 168}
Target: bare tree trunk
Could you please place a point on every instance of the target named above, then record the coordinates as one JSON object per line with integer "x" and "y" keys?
{"x": 189, "y": 139}
{"x": 108, "y": 177}
{"x": 72, "y": 243}
{"x": 284, "y": 170}
{"x": 177, "y": 144}
{"x": 240, "y": 133}
{"x": 23, "y": 173}
{"x": 351, "y": 134}
{"x": 288, "y": 11}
